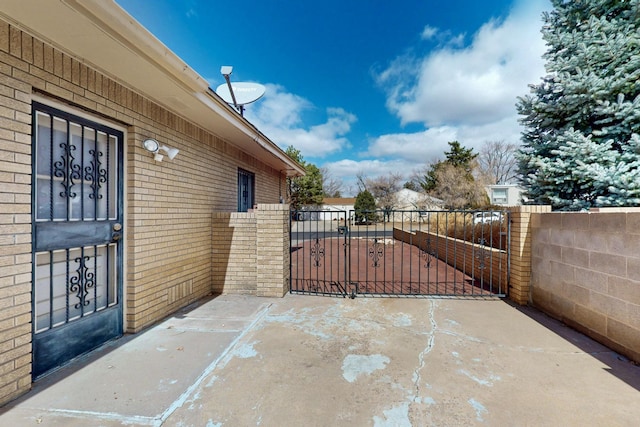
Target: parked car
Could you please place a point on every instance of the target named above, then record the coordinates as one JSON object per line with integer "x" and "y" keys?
{"x": 486, "y": 217}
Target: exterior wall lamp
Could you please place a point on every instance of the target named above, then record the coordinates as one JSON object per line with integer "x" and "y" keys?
{"x": 153, "y": 146}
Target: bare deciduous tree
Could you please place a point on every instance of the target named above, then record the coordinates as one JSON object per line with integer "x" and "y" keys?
{"x": 361, "y": 181}
{"x": 384, "y": 189}
{"x": 331, "y": 186}
{"x": 497, "y": 162}
{"x": 456, "y": 190}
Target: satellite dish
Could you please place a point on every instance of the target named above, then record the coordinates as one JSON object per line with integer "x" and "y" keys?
{"x": 245, "y": 93}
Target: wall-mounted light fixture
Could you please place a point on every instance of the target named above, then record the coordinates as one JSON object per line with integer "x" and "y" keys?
{"x": 153, "y": 146}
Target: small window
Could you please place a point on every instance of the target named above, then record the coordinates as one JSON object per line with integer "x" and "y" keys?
{"x": 246, "y": 190}
{"x": 499, "y": 196}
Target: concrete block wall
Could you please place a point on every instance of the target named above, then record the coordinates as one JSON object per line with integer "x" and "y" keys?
{"x": 251, "y": 251}
{"x": 586, "y": 272}
{"x": 462, "y": 255}
{"x": 167, "y": 233}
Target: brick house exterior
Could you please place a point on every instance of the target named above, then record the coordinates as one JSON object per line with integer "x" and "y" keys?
{"x": 102, "y": 66}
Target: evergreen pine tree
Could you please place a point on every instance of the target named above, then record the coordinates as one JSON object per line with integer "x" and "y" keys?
{"x": 581, "y": 144}
{"x": 365, "y": 207}
{"x": 459, "y": 157}
{"x": 304, "y": 190}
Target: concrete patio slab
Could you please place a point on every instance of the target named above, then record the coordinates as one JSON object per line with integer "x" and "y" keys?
{"x": 314, "y": 361}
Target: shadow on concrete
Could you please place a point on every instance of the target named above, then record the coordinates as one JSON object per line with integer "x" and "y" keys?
{"x": 617, "y": 365}
{"x": 85, "y": 360}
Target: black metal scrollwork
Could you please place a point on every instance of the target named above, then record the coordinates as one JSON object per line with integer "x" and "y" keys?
{"x": 428, "y": 253}
{"x": 481, "y": 254}
{"x": 67, "y": 169}
{"x": 317, "y": 252}
{"x": 376, "y": 252}
{"x": 82, "y": 282}
{"x": 95, "y": 174}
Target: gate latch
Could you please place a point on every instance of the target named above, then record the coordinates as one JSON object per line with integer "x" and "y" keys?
{"x": 343, "y": 229}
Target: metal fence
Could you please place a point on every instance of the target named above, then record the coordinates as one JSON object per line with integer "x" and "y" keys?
{"x": 402, "y": 253}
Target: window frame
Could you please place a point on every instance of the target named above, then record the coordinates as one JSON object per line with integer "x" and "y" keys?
{"x": 246, "y": 202}
{"x": 499, "y": 195}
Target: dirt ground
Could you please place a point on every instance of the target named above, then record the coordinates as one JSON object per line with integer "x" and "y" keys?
{"x": 384, "y": 266}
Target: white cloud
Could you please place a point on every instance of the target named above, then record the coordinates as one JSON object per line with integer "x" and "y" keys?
{"x": 423, "y": 147}
{"x": 475, "y": 85}
{"x": 413, "y": 147}
{"x": 456, "y": 41}
{"x": 371, "y": 167}
{"x": 279, "y": 115}
{"x": 429, "y": 32}
{"x": 408, "y": 153}
{"x": 346, "y": 170}
{"x": 444, "y": 38}
{"x": 192, "y": 11}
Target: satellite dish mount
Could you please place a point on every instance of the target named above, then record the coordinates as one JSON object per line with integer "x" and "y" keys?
{"x": 239, "y": 93}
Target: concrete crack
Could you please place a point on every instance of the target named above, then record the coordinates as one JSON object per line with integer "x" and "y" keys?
{"x": 430, "y": 344}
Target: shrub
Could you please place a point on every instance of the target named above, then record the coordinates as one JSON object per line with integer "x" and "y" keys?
{"x": 460, "y": 225}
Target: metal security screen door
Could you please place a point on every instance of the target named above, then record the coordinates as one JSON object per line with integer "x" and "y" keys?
{"x": 77, "y": 227}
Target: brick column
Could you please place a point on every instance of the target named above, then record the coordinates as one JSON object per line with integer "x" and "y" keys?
{"x": 520, "y": 248}
{"x": 273, "y": 250}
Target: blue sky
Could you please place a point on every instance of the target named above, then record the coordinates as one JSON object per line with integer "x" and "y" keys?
{"x": 364, "y": 86}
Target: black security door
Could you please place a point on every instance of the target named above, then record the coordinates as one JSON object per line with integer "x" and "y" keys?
{"x": 77, "y": 228}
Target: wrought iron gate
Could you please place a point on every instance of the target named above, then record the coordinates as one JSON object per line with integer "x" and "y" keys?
{"x": 446, "y": 253}
{"x": 77, "y": 226}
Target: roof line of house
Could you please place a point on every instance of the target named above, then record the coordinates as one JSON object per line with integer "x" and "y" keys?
{"x": 71, "y": 26}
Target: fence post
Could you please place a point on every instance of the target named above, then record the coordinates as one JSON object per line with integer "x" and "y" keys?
{"x": 273, "y": 252}
{"x": 520, "y": 249}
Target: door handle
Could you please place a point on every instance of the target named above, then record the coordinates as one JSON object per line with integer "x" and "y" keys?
{"x": 116, "y": 235}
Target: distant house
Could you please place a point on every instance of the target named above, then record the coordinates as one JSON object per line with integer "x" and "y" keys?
{"x": 341, "y": 208}
{"x": 336, "y": 208}
{"x": 115, "y": 155}
{"x": 412, "y": 200}
{"x": 505, "y": 194}
{"x": 413, "y": 206}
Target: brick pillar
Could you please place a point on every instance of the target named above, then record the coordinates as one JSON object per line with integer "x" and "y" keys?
{"x": 520, "y": 274}
{"x": 273, "y": 252}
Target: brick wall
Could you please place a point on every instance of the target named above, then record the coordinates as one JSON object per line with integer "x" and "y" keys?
{"x": 251, "y": 251}
{"x": 15, "y": 217}
{"x": 273, "y": 250}
{"x": 586, "y": 272}
{"x": 169, "y": 205}
{"x": 462, "y": 255}
{"x": 520, "y": 251}
{"x": 234, "y": 252}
